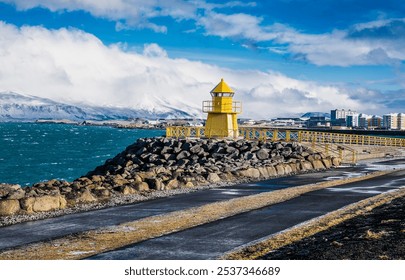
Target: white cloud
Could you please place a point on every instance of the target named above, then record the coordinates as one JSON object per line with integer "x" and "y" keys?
{"x": 235, "y": 26}
{"x": 353, "y": 46}
{"x": 378, "y": 42}
{"x": 127, "y": 13}
{"x": 74, "y": 66}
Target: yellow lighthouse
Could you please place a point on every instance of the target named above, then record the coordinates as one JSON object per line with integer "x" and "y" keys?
{"x": 222, "y": 113}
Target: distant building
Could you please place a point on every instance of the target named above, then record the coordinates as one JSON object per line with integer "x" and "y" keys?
{"x": 375, "y": 122}
{"x": 390, "y": 121}
{"x": 318, "y": 121}
{"x": 341, "y": 114}
{"x": 352, "y": 120}
{"x": 339, "y": 117}
{"x": 364, "y": 121}
{"x": 401, "y": 121}
{"x": 288, "y": 122}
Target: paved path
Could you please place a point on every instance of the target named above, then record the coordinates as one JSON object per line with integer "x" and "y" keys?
{"x": 212, "y": 240}
{"x": 24, "y": 233}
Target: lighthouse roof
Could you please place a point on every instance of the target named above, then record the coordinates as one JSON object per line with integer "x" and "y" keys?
{"x": 222, "y": 87}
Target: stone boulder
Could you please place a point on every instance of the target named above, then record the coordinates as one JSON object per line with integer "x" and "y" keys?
{"x": 172, "y": 184}
{"x": 249, "y": 173}
{"x": 9, "y": 207}
{"x": 305, "y": 166}
{"x": 336, "y": 161}
{"x": 318, "y": 165}
{"x": 213, "y": 178}
{"x": 86, "y": 197}
{"x": 155, "y": 184}
{"x": 7, "y": 189}
{"x": 262, "y": 154}
{"x": 280, "y": 169}
{"x": 126, "y": 190}
{"x": 16, "y": 194}
{"x": 141, "y": 186}
{"x": 43, "y": 203}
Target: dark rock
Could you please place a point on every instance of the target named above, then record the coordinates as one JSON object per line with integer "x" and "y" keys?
{"x": 182, "y": 155}
{"x": 182, "y": 162}
{"x": 186, "y": 146}
{"x": 166, "y": 150}
{"x": 16, "y": 194}
{"x": 155, "y": 183}
{"x": 196, "y": 149}
{"x": 262, "y": 154}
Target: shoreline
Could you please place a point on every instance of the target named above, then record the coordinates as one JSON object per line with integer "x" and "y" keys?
{"x": 136, "y": 198}
{"x": 127, "y": 199}
{"x": 160, "y": 164}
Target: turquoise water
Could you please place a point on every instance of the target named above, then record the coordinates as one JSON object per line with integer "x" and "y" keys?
{"x": 30, "y": 152}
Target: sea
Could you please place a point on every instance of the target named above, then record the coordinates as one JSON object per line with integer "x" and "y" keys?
{"x": 35, "y": 152}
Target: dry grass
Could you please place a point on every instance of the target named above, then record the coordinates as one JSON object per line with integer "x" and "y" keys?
{"x": 314, "y": 226}
{"x": 93, "y": 242}
{"x": 375, "y": 235}
{"x": 389, "y": 221}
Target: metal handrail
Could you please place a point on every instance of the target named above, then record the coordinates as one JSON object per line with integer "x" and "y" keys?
{"x": 209, "y": 106}
{"x": 264, "y": 134}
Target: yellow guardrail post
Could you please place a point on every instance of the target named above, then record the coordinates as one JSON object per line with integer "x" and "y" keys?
{"x": 287, "y": 135}
{"x": 275, "y": 135}
{"x": 262, "y": 135}
{"x": 313, "y": 140}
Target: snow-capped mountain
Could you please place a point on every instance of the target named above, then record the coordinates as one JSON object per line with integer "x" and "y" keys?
{"x": 315, "y": 114}
{"x": 19, "y": 107}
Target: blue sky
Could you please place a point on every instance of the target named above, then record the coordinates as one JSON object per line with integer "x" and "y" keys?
{"x": 352, "y": 50}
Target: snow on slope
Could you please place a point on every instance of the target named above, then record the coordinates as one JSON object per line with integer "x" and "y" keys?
{"x": 19, "y": 107}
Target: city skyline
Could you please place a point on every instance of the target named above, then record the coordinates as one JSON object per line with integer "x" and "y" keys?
{"x": 283, "y": 57}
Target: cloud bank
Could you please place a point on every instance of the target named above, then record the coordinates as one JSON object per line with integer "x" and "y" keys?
{"x": 377, "y": 42}
{"x": 73, "y": 66}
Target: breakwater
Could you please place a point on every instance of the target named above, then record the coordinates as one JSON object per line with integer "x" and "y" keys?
{"x": 154, "y": 164}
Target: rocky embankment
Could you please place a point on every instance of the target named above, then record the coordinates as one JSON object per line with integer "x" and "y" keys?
{"x": 154, "y": 164}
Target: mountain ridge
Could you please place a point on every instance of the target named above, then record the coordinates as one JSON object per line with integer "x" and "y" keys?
{"x": 22, "y": 107}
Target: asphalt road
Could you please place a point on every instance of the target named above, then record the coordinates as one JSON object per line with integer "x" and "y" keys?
{"x": 43, "y": 230}
{"x": 212, "y": 240}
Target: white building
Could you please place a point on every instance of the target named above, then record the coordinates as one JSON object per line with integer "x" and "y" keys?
{"x": 352, "y": 120}
{"x": 401, "y": 121}
{"x": 341, "y": 114}
{"x": 390, "y": 121}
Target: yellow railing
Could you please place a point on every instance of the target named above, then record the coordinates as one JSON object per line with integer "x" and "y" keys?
{"x": 348, "y": 139}
{"x": 221, "y": 107}
{"x": 344, "y": 152}
{"x": 293, "y": 135}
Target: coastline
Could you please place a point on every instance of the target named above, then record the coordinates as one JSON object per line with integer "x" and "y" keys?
{"x": 133, "y": 175}
{"x": 135, "y": 198}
